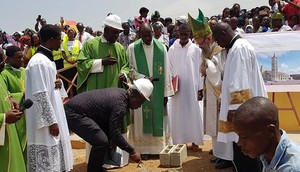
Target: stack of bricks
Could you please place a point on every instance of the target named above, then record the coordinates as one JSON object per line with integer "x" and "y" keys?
{"x": 173, "y": 156}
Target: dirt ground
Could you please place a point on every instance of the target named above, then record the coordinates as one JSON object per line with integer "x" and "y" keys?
{"x": 196, "y": 162}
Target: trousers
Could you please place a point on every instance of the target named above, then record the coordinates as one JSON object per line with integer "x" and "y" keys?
{"x": 90, "y": 131}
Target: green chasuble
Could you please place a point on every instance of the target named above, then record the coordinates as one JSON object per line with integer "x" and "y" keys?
{"x": 11, "y": 154}
{"x": 15, "y": 82}
{"x": 95, "y": 49}
{"x": 152, "y": 111}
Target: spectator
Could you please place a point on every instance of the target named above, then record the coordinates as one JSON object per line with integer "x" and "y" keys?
{"x": 180, "y": 20}
{"x": 278, "y": 24}
{"x": 40, "y": 21}
{"x": 155, "y": 17}
{"x": 127, "y": 36}
{"x": 293, "y": 20}
{"x": 158, "y": 34}
{"x": 235, "y": 10}
{"x": 35, "y": 43}
{"x": 225, "y": 13}
{"x": 16, "y": 36}
{"x": 82, "y": 35}
{"x": 234, "y": 25}
{"x": 142, "y": 18}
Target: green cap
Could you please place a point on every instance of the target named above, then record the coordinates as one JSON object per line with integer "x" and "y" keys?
{"x": 199, "y": 26}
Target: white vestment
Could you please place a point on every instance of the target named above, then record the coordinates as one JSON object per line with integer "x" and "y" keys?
{"x": 213, "y": 83}
{"x": 242, "y": 80}
{"x": 185, "y": 113}
{"x": 46, "y": 152}
{"x": 146, "y": 143}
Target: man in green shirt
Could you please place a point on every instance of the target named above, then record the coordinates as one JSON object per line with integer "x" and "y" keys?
{"x": 14, "y": 78}
{"x": 11, "y": 151}
{"x": 103, "y": 62}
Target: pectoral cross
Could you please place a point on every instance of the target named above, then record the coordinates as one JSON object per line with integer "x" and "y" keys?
{"x": 146, "y": 111}
{"x": 160, "y": 70}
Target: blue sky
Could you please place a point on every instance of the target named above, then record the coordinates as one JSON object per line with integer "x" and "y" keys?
{"x": 18, "y": 14}
{"x": 288, "y": 62}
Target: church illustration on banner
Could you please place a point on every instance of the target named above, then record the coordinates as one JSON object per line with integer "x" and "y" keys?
{"x": 275, "y": 77}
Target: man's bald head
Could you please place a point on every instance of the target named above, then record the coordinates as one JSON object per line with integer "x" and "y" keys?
{"x": 258, "y": 111}
{"x": 145, "y": 26}
{"x": 233, "y": 22}
{"x": 223, "y": 34}
{"x": 145, "y": 32}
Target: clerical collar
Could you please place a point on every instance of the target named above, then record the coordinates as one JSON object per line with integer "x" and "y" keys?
{"x": 236, "y": 37}
{"x": 15, "y": 69}
{"x": 103, "y": 40}
{"x": 45, "y": 51}
{"x": 46, "y": 48}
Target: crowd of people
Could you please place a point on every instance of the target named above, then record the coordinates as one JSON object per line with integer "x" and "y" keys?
{"x": 124, "y": 90}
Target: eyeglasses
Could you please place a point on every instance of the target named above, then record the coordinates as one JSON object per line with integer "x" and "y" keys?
{"x": 203, "y": 41}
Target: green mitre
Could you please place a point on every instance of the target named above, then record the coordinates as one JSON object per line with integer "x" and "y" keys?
{"x": 199, "y": 26}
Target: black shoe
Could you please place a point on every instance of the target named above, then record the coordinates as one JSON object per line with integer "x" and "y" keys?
{"x": 222, "y": 164}
{"x": 213, "y": 160}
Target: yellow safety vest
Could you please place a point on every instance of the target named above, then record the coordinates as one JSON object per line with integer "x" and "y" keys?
{"x": 75, "y": 52}
{"x": 31, "y": 51}
{"x": 56, "y": 54}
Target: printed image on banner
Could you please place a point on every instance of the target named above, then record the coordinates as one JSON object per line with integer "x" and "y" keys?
{"x": 278, "y": 55}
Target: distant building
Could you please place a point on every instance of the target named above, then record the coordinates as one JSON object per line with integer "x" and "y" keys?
{"x": 274, "y": 75}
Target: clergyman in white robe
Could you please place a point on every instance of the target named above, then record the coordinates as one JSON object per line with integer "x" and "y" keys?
{"x": 242, "y": 80}
{"x": 46, "y": 152}
{"x": 146, "y": 143}
{"x": 185, "y": 113}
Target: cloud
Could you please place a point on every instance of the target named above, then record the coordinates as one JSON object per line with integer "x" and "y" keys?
{"x": 267, "y": 55}
{"x": 293, "y": 71}
{"x": 284, "y": 66}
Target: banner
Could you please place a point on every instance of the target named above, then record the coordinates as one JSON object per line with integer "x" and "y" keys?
{"x": 278, "y": 55}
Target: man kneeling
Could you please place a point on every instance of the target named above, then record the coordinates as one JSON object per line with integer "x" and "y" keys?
{"x": 97, "y": 117}
{"x": 256, "y": 123}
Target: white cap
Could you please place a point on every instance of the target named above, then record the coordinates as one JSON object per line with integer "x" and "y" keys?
{"x": 113, "y": 21}
{"x": 144, "y": 86}
{"x": 182, "y": 19}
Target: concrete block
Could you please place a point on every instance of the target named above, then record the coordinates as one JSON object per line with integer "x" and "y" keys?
{"x": 178, "y": 155}
{"x": 164, "y": 156}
